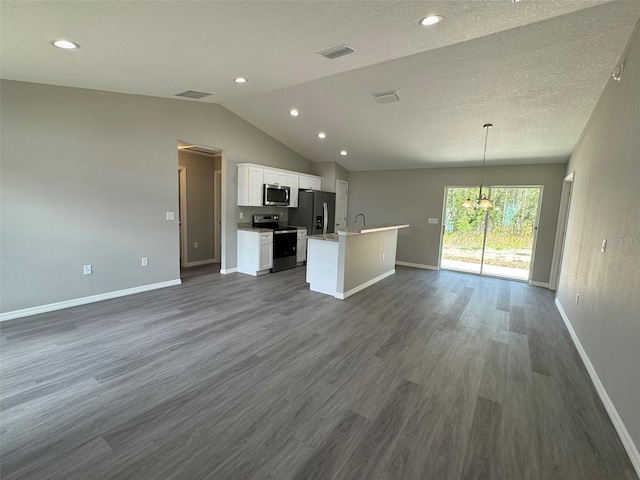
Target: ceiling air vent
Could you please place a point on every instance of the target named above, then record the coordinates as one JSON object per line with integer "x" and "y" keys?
{"x": 193, "y": 94}
{"x": 336, "y": 52}
{"x": 386, "y": 97}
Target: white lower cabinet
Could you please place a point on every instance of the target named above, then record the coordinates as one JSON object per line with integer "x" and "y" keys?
{"x": 255, "y": 252}
{"x": 301, "y": 254}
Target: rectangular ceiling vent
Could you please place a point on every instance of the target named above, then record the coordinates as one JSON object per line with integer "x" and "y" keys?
{"x": 336, "y": 52}
{"x": 193, "y": 94}
{"x": 386, "y": 97}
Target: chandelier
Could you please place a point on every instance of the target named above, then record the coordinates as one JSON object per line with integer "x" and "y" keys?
{"x": 482, "y": 201}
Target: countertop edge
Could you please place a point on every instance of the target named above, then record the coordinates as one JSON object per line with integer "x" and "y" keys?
{"x": 371, "y": 229}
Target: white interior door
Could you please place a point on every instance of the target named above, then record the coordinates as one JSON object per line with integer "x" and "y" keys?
{"x": 342, "y": 192}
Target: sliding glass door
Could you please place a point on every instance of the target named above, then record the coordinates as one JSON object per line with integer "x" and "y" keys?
{"x": 498, "y": 241}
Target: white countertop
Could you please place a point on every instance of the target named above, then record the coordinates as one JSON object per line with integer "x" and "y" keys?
{"x": 371, "y": 228}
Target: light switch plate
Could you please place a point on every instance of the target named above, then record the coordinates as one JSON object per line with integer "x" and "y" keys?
{"x": 145, "y": 261}
{"x": 171, "y": 216}
{"x": 433, "y": 221}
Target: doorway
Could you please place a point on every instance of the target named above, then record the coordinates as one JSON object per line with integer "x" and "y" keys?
{"x": 561, "y": 232}
{"x": 200, "y": 205}
{"x": 499, "y": 241}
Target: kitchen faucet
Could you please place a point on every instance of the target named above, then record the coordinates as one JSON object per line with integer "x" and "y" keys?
{"x": 364, "y": 220}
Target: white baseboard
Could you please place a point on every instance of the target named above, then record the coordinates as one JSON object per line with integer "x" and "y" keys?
{"x": 200, "y": 262}
{"x": 355, "y": 290}
{"x": 416, "y": 265}
{"x": 539, "y": 284}
{"x": 629, "y": 446}
{"x": 84, "y": 300}
{"x": 225, "y": 271}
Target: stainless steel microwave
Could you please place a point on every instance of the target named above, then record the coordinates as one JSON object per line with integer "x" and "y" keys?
{"x": 276, "y": 195}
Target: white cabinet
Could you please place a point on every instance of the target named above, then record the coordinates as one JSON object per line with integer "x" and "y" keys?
{"x": 294, "y": 184}
{"x": 276, "y": 177}
{"x": 310, "y": 182}
{"x": 250, "y": 181}
{"x": 301, "y": 254}
{"x": 255, "y": 252}
{"x": 266, "y": 251}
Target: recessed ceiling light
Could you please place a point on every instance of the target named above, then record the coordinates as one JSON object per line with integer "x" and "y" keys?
{"x": 343, "y": 153}
{"x": 293, "y": 112}
{"x": 322, "y": 135}
{"x": 66, "y": 44}
{"x": 430, "y": 20}
{"x": 240, "y": 80}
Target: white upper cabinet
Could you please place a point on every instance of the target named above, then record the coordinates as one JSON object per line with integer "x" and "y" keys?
{"x": 310, "y": 182}
{"x": 276, "y": 177}
{"x": 293, "y": 183}
{"x": 251, "y": 179}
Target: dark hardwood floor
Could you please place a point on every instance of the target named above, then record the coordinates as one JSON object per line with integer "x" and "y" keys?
{"x": 425, "y": 375}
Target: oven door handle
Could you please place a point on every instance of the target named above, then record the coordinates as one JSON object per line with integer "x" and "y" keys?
{"x": 286, "y": 232}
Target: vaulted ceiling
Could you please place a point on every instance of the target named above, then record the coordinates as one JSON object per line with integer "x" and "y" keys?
{"x": 534, "y": 68}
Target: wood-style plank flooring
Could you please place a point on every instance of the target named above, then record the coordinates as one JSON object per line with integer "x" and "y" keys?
{"x": 425, "y": 375}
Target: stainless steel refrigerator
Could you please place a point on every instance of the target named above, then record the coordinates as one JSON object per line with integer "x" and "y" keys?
{"x": 316, "y": 211}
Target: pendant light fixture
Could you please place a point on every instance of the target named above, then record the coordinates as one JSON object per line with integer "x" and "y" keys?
{"x": 483, "y": 201}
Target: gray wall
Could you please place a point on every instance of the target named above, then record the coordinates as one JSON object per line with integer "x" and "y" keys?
{"x": 330, "y": 172}
{"x": 605, "y": 204}
{"x": 200, "y": 200}
{"x": 361, "y": 258}
{"x": 87, "y": 177}
{"x": 412, "y": 196}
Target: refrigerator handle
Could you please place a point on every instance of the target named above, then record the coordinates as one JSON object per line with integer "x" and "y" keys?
{"x": 325, "y": 212}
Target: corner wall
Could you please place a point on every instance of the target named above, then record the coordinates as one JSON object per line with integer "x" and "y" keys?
{"x": 605, "y": 204}
{"x": 87, "y": 177}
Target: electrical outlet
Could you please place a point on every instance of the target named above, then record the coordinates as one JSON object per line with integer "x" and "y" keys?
{"x": 383, "y": 256}
{"x": 433, "y": 221}
{"x": 195, "y": 244}
{"x": 88, "y": 270}
{"x": 145, "y": 261}
{"x": 171, "y": 216}
{"x": 577, "y": 298}
{"x": 604, "y": 245}
{"x": 241, "y": 215}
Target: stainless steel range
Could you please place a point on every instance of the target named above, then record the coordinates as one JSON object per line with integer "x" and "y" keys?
{"x": 285, "y": 241}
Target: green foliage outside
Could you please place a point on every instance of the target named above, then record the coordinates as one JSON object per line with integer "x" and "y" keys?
{"x": 511, "y": 224}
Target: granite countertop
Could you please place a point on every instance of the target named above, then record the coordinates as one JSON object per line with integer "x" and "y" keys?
{"x": 327, "y": 237}
{"x": 371, "y": 228}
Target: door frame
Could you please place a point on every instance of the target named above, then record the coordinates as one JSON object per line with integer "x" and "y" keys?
{"x": 182, "y": 229}
{"x": 561, "y": 231}
{"x": 217, "y": 221}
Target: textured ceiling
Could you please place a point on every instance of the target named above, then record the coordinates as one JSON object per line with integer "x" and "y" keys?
{"x": 535, "y": 69}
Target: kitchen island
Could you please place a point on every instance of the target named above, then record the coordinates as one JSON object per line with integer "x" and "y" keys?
{"x": 343, "y": 263}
